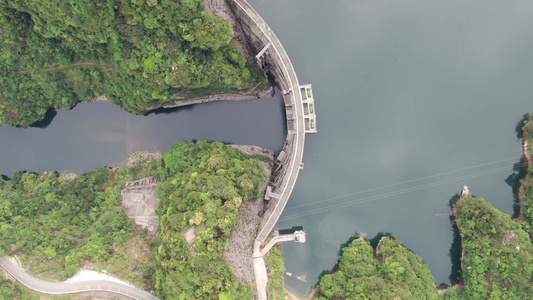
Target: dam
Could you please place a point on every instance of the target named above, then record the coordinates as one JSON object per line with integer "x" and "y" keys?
{"x": 301, "y": 119}
{"x": 299, "y": 106}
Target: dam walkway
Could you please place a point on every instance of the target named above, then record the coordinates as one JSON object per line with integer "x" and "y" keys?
{"x": 299, "y": 106}
{"x": 301, "y": 119}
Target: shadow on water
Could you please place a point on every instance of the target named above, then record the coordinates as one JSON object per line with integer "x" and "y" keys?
{"x": 455, "y": 249}
{"x": 519, "y": 129}
{"x": 513, "y": 180}
{"x": 519, "y": 169}
{"x": 290, "y": 230}
{"x": 48, "y": 117}
{"x": 170, "y": 110}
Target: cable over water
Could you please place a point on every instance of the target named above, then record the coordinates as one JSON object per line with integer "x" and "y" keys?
{"x": 401, "y": 191}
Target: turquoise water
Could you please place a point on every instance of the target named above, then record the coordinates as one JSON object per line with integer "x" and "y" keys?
{"x": 414, "y": 99}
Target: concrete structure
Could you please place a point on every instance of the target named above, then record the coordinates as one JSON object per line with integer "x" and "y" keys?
{"x": 297, "y": 237}
{"x": 62, "y": 288}
{"x": 272, "y": 58}
{"x": 139, "y": 202}
{"x": 301, "y": 119}
{"x": 308, "y": 102}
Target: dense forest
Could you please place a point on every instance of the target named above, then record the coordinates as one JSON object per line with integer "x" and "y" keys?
{"x": 389, "y": 272}
{"x": 57, "y": 226}
{"x": 497, "y": 260}
{"x": 204, "y": 186}
{"x": 139, "y": 54}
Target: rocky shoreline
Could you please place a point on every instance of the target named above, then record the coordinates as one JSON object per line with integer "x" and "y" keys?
{"x": 526, "y": 152}
{"x": 138, "y": 156}
{"x": 223, "y": 97}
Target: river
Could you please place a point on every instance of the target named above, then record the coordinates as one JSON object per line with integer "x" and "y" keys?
{"x": 414, "y": 99}
{"x": 100, "y": 134}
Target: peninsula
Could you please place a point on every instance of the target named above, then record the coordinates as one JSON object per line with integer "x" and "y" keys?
{"x": 141, "y": 55}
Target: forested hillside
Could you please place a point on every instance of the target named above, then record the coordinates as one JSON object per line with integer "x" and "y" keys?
{"x": 204, "y": 187}
{"x": 57, "y": 226}
{"x": 393, "y": 272}
{"x": 497, "y": 260}
{"x": 496, "y": 263}
{"x": 55, "y": 53}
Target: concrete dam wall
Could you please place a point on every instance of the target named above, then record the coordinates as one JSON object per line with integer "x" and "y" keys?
{"x": 273, "y": 59}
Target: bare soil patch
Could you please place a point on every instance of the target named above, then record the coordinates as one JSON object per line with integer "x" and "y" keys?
{"x": 139, "y": 202}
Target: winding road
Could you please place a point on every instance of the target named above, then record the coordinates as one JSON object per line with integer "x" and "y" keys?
{"x": 62, "y": 288}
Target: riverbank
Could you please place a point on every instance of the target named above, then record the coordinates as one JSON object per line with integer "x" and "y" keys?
{"x": 134, "y": 158}
{"x": 260, "y": 90}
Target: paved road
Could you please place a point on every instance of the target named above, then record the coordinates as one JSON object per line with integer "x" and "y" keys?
{"x": 61, "y": 288}
{"x": 297, "y": 151}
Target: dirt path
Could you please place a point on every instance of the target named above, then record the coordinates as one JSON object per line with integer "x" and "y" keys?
{"x": 13, "y": 41}
{"x": 72, "y": 66}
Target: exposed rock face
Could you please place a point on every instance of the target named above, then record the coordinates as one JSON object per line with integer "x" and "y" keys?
{"x": 68, "y": 176}
{"x": 190, "y": 236}
{"x": 223, "y": 10}
{"x": 465, "y": 192}
{"x": 139, "y": 156}
{"x": 239, "y": 252}
{"x": 139, "y": 202}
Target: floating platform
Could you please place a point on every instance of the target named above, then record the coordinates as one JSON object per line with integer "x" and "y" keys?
{"x": 308, "y": 102}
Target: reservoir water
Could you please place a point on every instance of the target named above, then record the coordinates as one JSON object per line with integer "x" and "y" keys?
{"x": 100, "y": 134}
{"x": 414, "y": 100}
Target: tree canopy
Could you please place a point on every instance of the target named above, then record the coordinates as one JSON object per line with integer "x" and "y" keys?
{"x": 204, "y": 187}
{"x": 497, "y": 260}
{"x": 392, "y": 272}
{"x": 57, "y": 226}
{"x": 138, "y": 53}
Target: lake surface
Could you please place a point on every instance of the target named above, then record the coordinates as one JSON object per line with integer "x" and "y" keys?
{"x": 414, "y": 100}
{"x": 100, "y": 134}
